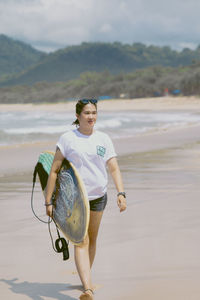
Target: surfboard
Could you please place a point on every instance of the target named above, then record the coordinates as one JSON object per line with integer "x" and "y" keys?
{"x": 70, "y": 201}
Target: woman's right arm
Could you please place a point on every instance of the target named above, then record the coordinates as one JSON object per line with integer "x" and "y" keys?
{"x": 58, "y": 159}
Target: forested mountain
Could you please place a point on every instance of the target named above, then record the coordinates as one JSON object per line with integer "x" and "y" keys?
{"x": 70, "y": 62}
{"x": 16, "y": 56}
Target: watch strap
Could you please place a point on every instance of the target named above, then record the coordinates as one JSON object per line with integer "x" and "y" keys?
{"x": 122, "y": 193}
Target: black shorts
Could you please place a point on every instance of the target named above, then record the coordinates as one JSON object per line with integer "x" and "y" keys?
{"x": 98, "y": 204}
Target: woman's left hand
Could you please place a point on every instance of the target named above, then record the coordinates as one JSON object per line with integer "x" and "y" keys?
{"x": 121, "y": 202}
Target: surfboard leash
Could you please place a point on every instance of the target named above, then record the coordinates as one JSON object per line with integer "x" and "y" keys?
{"x": 63, "y": 248}
{"x": 34, "y": 181}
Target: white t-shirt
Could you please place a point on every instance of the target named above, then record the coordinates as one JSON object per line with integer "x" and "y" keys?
{"x": 89, "y": 155}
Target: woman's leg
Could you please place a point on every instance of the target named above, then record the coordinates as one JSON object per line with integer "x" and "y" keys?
{"x": 95, "y": 220}
{"x": 82, "y": 261}
{"x": 85, "y": 253}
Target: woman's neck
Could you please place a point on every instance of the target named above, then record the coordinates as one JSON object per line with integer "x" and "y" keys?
{"x": 86, "y": 131}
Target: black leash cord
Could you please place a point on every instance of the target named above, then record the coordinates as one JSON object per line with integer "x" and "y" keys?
{"x": 49, "y": 227}
{"x": 34, "y": 180}
{"x": 64, "y": 245}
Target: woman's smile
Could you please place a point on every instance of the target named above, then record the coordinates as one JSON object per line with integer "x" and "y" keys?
{"x": 91, "y": 122}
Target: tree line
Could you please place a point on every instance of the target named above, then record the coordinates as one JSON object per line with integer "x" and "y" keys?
{"x": 147, "y": 82}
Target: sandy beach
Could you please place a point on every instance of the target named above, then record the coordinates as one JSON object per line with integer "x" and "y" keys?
{"x": 160, "y": 103}
{"x": 150, "y": 252}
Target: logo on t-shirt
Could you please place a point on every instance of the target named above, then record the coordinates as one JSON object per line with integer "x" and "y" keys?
{"x": 101, "y": 151}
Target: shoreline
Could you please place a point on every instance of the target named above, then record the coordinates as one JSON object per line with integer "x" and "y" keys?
{"x": 169, "y": 103}
{"x": 22, "y": 158}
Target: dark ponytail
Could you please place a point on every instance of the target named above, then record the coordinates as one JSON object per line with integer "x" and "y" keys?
{"x": 76, "y": 122}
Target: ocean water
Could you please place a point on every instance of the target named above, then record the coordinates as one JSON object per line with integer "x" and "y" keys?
{"x": 36, "y": 126}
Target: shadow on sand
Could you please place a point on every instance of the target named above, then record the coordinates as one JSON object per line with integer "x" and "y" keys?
{"x": 36, "y": 290}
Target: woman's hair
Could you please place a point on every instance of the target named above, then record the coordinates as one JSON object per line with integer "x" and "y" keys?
{"x": 80, "y": 105}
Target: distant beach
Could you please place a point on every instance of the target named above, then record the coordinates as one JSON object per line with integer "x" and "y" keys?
{"x": 159, "y": 103}
{"x": 149, "y": 252}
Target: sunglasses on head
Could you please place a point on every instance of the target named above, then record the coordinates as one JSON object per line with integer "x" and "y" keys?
{"x": 86, "y": 101}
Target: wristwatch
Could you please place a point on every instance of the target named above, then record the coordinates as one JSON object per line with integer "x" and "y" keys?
{"x": 122, "y": 193}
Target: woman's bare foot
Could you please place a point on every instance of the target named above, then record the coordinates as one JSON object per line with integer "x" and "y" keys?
{"x": 87, "y": 295}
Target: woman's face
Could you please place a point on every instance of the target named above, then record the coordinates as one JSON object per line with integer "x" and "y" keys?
{"x": 88, "y": 116}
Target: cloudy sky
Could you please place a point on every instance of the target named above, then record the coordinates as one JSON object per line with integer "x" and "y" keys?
{"x": 52, "y": 24}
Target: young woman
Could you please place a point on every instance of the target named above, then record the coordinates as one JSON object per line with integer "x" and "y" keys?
{"x": 90, "y": 151}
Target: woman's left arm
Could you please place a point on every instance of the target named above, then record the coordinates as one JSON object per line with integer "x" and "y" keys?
{"x": 114, "y": 170}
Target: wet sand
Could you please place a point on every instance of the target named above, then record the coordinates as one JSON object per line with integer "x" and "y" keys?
{"x": 149, "y": 252}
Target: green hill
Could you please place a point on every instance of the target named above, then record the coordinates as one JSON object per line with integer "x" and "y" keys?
{"x": 16, "y": 56}
{"x": 69, "y": 63}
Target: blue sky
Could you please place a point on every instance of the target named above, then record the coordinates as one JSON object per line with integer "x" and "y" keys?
{"x": 49, "y": 25}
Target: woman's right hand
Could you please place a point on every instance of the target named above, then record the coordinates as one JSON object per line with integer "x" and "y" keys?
{"x": 49, "y": 210}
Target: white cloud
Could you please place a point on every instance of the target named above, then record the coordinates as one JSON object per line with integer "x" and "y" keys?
{"x": 105, "y": 28}
{"x": 52, "y": 24}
